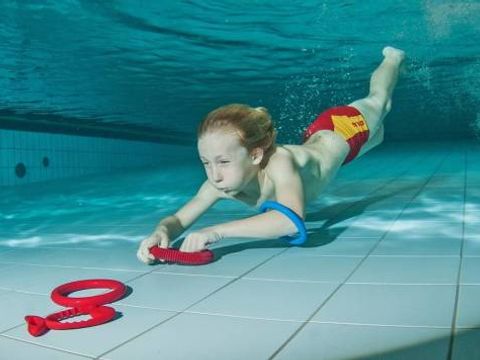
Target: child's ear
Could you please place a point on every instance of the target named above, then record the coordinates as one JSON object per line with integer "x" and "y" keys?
{"x": 257, "y": 155}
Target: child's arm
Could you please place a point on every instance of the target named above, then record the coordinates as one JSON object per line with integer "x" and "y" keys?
{"x": 177, "y": 223}
{"x": 174, "y": 225}
{"x": 272, "y": 224}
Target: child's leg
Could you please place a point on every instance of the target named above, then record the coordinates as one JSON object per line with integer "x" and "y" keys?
{"x": 373, "y": 141}
{"x": 378, "y": 102}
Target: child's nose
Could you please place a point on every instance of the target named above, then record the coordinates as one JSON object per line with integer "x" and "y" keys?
{"x": 217, "y": 176}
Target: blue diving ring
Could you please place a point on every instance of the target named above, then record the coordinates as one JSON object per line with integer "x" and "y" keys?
{"x": 292, "y": 215}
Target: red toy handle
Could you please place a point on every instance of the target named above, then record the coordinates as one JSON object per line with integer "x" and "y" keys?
{"x": 99, "y": 314}
{"x": 181, "y": 257}
{"x": 91, "y": 305}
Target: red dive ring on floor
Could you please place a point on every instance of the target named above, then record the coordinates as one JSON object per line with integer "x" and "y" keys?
{"x": 90, "y": 305}
{"x": 182, "y": 257}
{"x": 60, "y": 293}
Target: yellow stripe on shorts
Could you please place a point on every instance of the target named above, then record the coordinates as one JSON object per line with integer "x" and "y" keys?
{"x": 349, "y": 126}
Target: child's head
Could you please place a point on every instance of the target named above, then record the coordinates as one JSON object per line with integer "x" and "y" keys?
{"x": 234, "y": 142}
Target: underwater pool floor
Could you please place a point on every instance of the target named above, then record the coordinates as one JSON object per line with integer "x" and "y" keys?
{"x": 391, "y": 269}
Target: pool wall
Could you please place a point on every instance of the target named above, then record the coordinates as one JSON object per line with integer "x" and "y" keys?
{"x": 27, "y": 157}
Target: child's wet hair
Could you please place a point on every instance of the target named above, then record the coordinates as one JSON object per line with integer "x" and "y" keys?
{"x": 254, "y": 127}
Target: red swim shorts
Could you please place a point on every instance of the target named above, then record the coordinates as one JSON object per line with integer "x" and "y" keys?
{"x": 346, "y": 121}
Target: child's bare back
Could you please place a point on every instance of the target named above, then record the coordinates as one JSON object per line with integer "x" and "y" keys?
{"x": 316, "y": 162}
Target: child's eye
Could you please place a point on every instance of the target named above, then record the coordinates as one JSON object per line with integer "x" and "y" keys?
{"x": 224, "y": 162}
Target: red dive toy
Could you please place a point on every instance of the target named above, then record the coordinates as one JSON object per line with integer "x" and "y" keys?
{"x": 91, "y": 305}
{"x": 181, "y": 257}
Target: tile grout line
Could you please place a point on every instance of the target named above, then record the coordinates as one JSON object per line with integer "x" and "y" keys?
{"x": 296, "y": 332}
{"x": 53, "y": 348}
{"x": 381, "y": 325}
{"x": 321, "y": 321}
{"x": 71, "y": 267}
{"x": 189, "y": 306}
{"x": 451, "y": 342}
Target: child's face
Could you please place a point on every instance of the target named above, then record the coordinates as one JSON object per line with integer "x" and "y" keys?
{"x": 227, "y": 163}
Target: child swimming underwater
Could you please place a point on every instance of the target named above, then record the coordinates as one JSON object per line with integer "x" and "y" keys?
{"x": 236, "y": 144}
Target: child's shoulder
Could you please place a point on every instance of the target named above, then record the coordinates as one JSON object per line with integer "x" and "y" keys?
{"x": 281, "y": 163}
{"x": 281, "y": 153}
{"x": 286, "y": 155}
{"x": 294, "y": 159}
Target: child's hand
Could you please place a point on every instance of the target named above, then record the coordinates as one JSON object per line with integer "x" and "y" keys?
{"x": 197, "y": 241}
{"x": 158, "y": 238}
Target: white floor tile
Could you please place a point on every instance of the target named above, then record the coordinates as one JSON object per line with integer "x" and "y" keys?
{"x": 434, "y": 205}
{"x": 401, "y": 305}
{"x": 337, "y": 246}
{"x": 465, "y": 346}
{"x": 268, "y": 299}
{"x": 43, "y": 279}
{"x": 202, "y": 337}
{"x": 94, "y": 341}
{"x": 470, "y": 270}
{"x": 420, "y": 229}
{"x": 334, "y": 341}
{"x": 25, "y": 304}
{"x": 403, "y": 244}
{"x": 310, "y": 268}
{"x": 472, "y": 228}
{"x": 471, "y": 245}
{"x": 108, "y": 258}
{"x": 172, "y": 291}
{"x": 468, "y": 315}
{"x": 32, "y": 255}
{"x": 20, "y": 350}
{"x": 407, "y": 270}
{"x": 409, "y": 216}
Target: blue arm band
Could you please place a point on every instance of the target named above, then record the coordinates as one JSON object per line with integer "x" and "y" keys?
{"x": 292, "y": 215}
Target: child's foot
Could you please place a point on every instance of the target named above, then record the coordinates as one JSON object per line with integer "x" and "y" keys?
{"x": 392, "y": 53}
